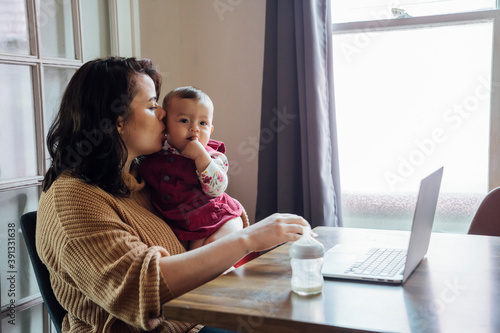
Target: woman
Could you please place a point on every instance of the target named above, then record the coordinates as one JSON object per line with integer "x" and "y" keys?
{"x": 113, "y": 262}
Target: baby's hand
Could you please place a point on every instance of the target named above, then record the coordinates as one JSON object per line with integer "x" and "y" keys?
{"x": 193, "y": 149}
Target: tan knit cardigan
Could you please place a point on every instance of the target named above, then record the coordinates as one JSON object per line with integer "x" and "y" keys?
{"x": 103, "y": 254}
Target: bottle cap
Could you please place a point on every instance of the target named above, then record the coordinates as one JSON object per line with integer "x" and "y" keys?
{"x": 307, "y": 247}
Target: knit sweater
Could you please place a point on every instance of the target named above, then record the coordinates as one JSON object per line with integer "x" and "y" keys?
{"x": 102, "y": 252}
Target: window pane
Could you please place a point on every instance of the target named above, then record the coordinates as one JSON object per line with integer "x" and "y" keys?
{"x": 96, "y": 34}
{"x": 409, "y": 101}
{"x": 18, "y": 280}
{"x": 17, "y": 123}
{"x": 13, "y": 27}
{"x": 56, "y": 29}
{"x": 369, "y": 10}
{"x": 30, "y": 320}
{"x": 56, "y": 80}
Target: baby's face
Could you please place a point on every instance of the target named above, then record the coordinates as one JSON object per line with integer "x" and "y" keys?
{"x": 188, "y": 119}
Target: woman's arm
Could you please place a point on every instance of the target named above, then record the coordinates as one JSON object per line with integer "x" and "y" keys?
{"x": 186, "y": 271}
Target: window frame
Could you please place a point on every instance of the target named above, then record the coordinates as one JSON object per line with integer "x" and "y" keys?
{"x": 449, "y": 19}
{"x": 36, "y": 62}
{"x": 124, "y": 41}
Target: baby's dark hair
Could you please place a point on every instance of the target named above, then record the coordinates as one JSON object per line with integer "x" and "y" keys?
{"x": 188, "y": 92}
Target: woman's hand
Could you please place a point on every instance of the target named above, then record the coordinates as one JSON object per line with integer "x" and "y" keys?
{"x": 186, "y": 271}
{"x": 274, "y": 230}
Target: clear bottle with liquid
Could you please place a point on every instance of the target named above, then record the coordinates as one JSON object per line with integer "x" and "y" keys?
{"x": 307, "y": 261}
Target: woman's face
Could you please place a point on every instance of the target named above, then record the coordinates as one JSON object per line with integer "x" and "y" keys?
{"x": 143, "y": 131}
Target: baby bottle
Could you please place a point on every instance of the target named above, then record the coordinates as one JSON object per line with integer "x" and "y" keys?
{"x": 307, "y": 261}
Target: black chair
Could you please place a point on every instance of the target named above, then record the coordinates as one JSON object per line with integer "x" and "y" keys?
{"x": 56, "y": 311}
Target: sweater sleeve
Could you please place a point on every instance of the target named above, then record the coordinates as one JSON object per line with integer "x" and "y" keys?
{"x": 104, "y": 258}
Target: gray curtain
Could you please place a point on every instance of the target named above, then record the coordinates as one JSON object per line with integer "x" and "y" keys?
{"x": 298, "y": 157}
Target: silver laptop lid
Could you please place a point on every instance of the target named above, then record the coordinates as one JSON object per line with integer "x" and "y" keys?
{"x": 423, "y": 221}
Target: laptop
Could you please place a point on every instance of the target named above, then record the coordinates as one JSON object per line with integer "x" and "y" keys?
{"x": 383, "y": 263}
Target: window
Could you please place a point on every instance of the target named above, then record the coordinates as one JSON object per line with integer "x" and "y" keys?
{"x": 41, "y": 46}
{"x": 415, "y": 88}
{"x": 377, "y": 10}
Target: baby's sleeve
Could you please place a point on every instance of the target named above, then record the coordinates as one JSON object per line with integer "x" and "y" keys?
{"x": 214, "y": 179}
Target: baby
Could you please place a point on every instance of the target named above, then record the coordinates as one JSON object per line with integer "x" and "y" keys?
{"x": 188, "y": 176}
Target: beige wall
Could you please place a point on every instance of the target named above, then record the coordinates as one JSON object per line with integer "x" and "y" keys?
{"x": 218, "y": 46}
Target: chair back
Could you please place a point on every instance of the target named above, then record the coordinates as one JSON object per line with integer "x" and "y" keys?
{"x": 487, "y": 218}
{"x": 56, "y": 311}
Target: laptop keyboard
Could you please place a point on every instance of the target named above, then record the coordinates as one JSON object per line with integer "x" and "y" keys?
{"x": 382, "y": 262}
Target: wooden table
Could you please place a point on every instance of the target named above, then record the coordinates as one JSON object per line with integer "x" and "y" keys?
{"x": 456, "y": 288}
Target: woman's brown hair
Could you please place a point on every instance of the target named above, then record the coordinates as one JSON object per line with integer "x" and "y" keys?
{"x": 83, "y": 138}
